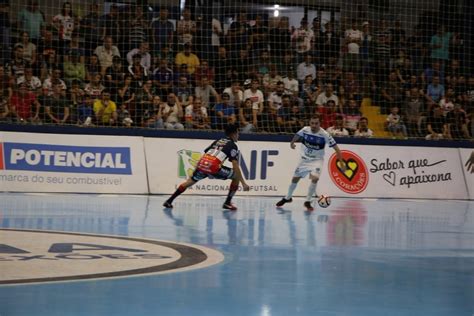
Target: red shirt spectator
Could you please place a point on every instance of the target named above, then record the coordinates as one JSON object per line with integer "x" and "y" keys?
{"x": 22, "y": 103}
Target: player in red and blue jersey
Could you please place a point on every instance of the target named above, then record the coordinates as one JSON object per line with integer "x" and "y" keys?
{"x": 211, "y": 166}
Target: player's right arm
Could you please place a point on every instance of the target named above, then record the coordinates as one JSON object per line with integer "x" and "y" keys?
{"x": 294, "y": 140}
{"x": 238, "y": 174}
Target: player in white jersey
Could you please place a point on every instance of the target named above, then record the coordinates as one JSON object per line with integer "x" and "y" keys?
{"x": 313, "y": 141}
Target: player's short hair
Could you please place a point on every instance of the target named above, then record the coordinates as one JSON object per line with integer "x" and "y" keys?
{"x": 230, "y": 129}
{"x": 315, "y": 117}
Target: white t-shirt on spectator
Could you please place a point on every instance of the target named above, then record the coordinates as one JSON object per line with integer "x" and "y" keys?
{"x": 353, "y": 48}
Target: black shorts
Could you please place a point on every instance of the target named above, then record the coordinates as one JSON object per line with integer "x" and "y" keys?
{"x": 224, "y": 173}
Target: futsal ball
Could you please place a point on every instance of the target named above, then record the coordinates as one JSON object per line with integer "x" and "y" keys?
{"x": 324, "y": 201}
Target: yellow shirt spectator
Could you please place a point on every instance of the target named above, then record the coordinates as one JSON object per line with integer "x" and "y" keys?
{"x": 105, "y": 110}
{"x": 187, "y": 58}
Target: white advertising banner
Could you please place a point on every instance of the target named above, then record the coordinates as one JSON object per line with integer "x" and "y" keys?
{"x": 33, "y": 162}
{"x": 396, "y": 172}
{"x": 267, "y": 166}
{"x": 373, "y": 171}
{"x": 467, "y": 162}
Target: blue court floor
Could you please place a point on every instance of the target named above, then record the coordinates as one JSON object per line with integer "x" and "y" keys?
{"x": 358, "y": 257}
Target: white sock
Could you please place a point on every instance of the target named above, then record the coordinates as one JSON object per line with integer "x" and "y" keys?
{"x": 311, "y": 191}
{"x": 291, "y": 189}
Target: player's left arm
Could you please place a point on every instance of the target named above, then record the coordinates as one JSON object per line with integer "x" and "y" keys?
{"x": 238, "y": 174}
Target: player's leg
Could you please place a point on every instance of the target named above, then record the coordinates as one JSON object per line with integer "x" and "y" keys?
{"x": 314, "y": 178}
{"x": 234, "y": 186}
{"x": 181, "y": 188}
{"x": 291, "y": 188}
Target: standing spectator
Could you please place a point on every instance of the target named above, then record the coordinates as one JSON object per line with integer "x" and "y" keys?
{"x": 106, "y": 54}
{"x": 5, "y": 49}
{"x": 413, "y": 109}
{"x": 186, "y": 29}
{"x": 279, "y": 38}
{"x": 382, "y": 51}
{"x": 291, "y": 84}
{"x": 217, "y": 33}
{"x": 91, "y": 28}
{"x": 363, "y": 129}
{"x": 395, "y": 124}
{"x": 111, "y": 25}
{"x": 46, "y": 47}
{"x": 440, "y": 45}
{"x": 258, "y": 40}
{"x": 329, "y": 44}
{"x": 238, "y": 34}
{"x": 392, "y": 93}
{"x": 31, "y": 20}
{"x": 225, "y": 70}
{"x": 105, "y": 110}
{"x": 302, "y": 40}
{"x": 162, "y": 31}
{"x": 397, "y": 37}
{"x": 352, "y": 40}
{"x": 366, "y": 49}
{"x": 137, "y": 28}
{"x": 64, "y": 24}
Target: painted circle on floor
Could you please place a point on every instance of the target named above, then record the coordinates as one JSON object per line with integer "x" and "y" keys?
{"x": 33, "y": 256}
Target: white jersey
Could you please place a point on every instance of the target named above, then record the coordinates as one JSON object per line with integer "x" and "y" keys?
{"x": 313, "y": 144}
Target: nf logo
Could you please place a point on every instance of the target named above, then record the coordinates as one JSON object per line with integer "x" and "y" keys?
{"x": 62, "y": 158}
{"x": 259, "y": 161}
{"x": 60, "y": 256}
{"x": 355, "y": 178}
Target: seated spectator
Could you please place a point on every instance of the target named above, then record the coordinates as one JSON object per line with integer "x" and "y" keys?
{"x": 328, "y": 114}
{"x": 188, "y": 58}
{"x": 308, "y": 94}
{"x": 76, "y": 95}
{"x": 172, "y": 113}
{"x": 271, "y": 80}
{"x": 123, "y": 116}
{"x": 24, "y": 106}
{"x": 55, "y": 77}
{"x": 327, "y": 95}
{"x": 224, "y": 113}
{"x": 338, "y": 129}
{"x": 85, "y": 112}
{"x": 75, "y": 47}
{"x": 392, "y": 93}
{"x": 256, "y": 95}
{"x": 196, "y": 115}
{"x": 350, "y": 88}
{"x": 434, "y": 92}
{"x": 275, "y": 99}
{"x": 33, "y": 83}
{"x": 106, "y": 53}
{"x": 105, "y": 110}
{"x": 447, "y": 102}
{"x": 352, "y": 116}
{"x": 457, "y": 123}
{"x": 4, "y": 110}
{"x": 306, "y": 68}
{"x": 163, "y": 78}
{"x": 436, "y": 124}
{"x": 15, "y": 67}
{"x": 94, "y": 88}
{"x": 56, "y": 105}
{"x": 183, "y": 90}
{"x": 285, "y": 121}
{"x": 248, "y": 117}
{"x": 93, "y": 67}
{"x": 138, "y": 72}
{"x": 153, "y": 117}
{"x": 74, "y": 69}
{"x": 394, "y": 123}
{"x": 204, "y": 70}
{"x": 114, "y": 76}
{"x": 206, "y": 92}
{"x": 29, "y": 49}
{"x": 236, "y": 95}
{"x": 143, "y": 52}
{"x": 363, "y": 129}
{"x": 296, "y": 120}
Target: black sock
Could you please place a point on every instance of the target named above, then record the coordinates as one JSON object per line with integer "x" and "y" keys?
{"x": 178, "y": 191}
{"x": 232, "y": 190}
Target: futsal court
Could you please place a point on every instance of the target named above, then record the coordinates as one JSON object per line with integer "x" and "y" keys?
{"x": 357, "y": 257}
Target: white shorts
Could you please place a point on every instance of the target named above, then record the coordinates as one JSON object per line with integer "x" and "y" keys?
{"x": 308, "y": 166}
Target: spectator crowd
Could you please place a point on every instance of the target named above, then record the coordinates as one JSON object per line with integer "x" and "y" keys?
{"x": 129, "y": 69}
